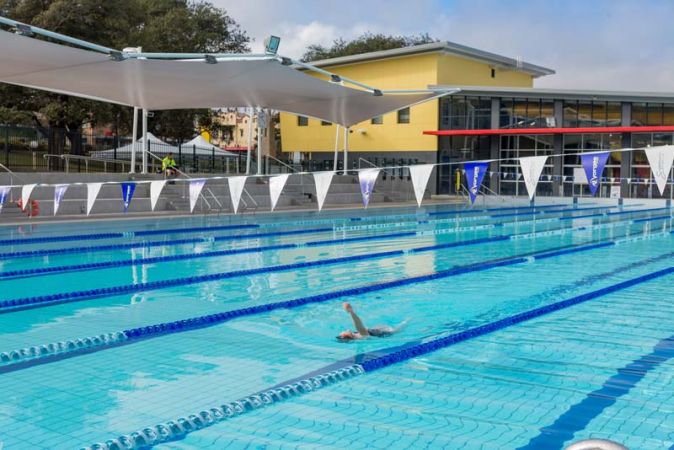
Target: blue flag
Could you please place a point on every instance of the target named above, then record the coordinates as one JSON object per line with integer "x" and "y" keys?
{"x": 474, "y": 175}
{"x": 594, "y": 163}
{"x": 127, "y": 194}
{"x": 4, "y": 190}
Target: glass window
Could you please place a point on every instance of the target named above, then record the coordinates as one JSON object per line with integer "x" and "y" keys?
{"x": 526, "y": 113}
{"x": 404, "y": 115}
{"x": 648, "y": 114}
{"x": 377, "y": 120}
{"x": 325, "y": 124}
{"x": 302, "y": 121}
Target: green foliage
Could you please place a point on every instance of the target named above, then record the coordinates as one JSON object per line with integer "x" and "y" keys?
{"x": 365, "y": 43}
{"x": 156, "y": 25}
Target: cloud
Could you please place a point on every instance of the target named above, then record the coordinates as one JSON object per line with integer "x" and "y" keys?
{"x": 603, "y": 44}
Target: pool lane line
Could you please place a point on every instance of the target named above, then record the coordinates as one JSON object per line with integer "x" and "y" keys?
{"x": 150, "y": 244}
{"x": 186, "y": 230}
{"x": 12, "y": 305}
{"x": 18, "y": 359}
{"x": 357, "y": 365}
{"x": 242, "y": 237}
{"x": 40, "y": 354}
{"x": 25, "y": 273}
{"x": 578, "y": 416}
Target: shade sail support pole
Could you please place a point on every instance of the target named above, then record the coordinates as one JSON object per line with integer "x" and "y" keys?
{"x": 250, "y": 139}
{"x": 346, "y": 150}
{"x": 334, "y": 165}
{"x": 134, "y": 140}
{"x": 259, "y": 143}
{"x": 144, "y": 171}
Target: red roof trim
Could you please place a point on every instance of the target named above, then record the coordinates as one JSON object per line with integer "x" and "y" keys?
{"x": 509, "y": 131}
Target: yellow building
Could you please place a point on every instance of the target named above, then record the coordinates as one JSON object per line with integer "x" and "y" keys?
{"x": 399, "y": 135}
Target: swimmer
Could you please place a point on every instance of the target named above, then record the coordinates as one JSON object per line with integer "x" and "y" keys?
{"x": 361, "y": 331}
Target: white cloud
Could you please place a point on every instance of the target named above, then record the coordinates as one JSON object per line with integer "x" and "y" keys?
{"x": 603, "y": 44}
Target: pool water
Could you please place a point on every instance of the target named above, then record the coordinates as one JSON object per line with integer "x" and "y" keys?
{"x": 127, "y": 326}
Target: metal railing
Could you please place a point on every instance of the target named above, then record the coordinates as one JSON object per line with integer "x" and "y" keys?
{"x": 87, "y": 159}
{"x": 268, "y": 166}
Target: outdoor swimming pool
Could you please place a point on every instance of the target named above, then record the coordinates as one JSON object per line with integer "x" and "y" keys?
{"x": 528, "y": 328}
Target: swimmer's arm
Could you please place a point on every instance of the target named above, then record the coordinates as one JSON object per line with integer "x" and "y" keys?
{"x": 362, "y": 330}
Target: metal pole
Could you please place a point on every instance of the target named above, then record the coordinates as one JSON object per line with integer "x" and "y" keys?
{"x": 259, "y": 146}
{"x": 334, "y": 165}
{"x": 133, "y": 140}
{"x": 250, "y": 139}
{"x": 346, "y": 150}
{"x": 144, "y": 141}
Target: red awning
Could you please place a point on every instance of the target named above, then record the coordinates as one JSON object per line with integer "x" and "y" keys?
{"x": 510, "y": 131}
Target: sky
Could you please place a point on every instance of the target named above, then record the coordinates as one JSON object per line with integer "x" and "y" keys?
{"x": 591, "y": 44}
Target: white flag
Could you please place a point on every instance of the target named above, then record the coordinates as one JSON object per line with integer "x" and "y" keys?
{"x": 322, "y": 180}
{"x": 236, "y": 185}
{"x": 155, "y": 191}
{"x": 276, "y": 185}
{"x": 26, "y": 190}
{"x": 367, "y": 178}
{"x": 420, "y": 175}
{"x": 660, "y": 158}
{"x": 532, "y": 167}
{"x": 195, "y": 189}
{"x": 59, "y": 193}
{"x": 92, "y": 192}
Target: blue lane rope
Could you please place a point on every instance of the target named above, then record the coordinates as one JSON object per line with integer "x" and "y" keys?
{"x": 141, "y": 233}
{"x": 42, "y": 354}
{"x": 23, "y": 273}
{"x": 362, "y": 363}
{"x": 67, "y": 297}
{"x": 159, "y": 259}
{"x": 150, "y": 244}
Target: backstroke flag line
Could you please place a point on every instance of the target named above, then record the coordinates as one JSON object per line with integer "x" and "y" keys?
{"x": 474, "y": 175}
{"x": 322, "y": 180}
{"x": 236, "y": 185}
{"x": 660, "y": 159}
{"x": 155, "y": 190}
{"x": 4, "y": 190}
{"x": 59, "y": 193}
{"x": 276, "y": 185}
{"x": 532, "y": 167}
{"x": 594, "y": 163}
{"x": 367, "y": 178}
{"x": 92, "y": 192}
{"x": 195, "y": 189}
{"x": 420, "y": 174}
{"x": 26, "y": 190}
{"x": 127, "y": 194}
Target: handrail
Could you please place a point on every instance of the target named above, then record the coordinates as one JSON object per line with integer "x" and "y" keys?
{"x": 12, "y": 175}
{"x": 203, "y": 197}
{"x": 86, "y": 159}
{"x": 374, "y": 165}
{"x": 280, "y": 162}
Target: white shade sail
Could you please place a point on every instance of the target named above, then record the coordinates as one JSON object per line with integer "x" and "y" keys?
{"x": 177, "y": 84}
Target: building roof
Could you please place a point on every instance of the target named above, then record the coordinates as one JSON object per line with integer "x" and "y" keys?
{"x": 443, "y": 47}
{"x": 564, "y": 94}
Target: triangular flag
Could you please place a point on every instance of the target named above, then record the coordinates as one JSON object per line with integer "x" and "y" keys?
{"x": 474, "y": 175}
{"x": 629, "y": 180}
{"x": 593, "y": 164}
{"x": 59, "y": 193}
{"x": 322, "y": 180}
{"x": 367, "y": 178}
{"x": 26, "y": 190}
{"x": 155, "y": 190}
{"x": 420, "y": 174}
{"x": 195, "y": 189}
{"x": 127, "y": 194}
{"x": 92, "y": 193}
{"x": 532, "y": 167}
{"x": 660, "y": 158}
{"x": 236, "y": 185}
{"x": 4, "y": 190}
{"x": 276, "y": 185}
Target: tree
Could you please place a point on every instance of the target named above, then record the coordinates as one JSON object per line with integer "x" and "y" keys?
{"x": 364, "y": 43}
{"x": 156, "y": 25}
